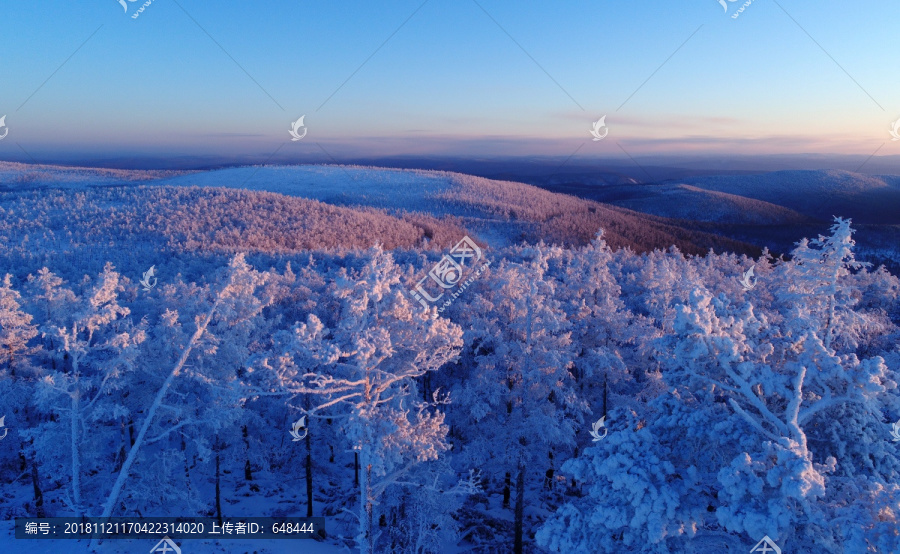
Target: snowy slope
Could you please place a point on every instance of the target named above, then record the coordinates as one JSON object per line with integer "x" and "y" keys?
{"x": 818, "y": 194}
{"x": 382, "y": 188}
{"x": 695, "y": 203}
{"x": 498, "y": 212}
{"x": 18, "y": 176}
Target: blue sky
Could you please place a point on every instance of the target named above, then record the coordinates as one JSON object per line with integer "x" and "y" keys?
{"x": 450, "y": 80}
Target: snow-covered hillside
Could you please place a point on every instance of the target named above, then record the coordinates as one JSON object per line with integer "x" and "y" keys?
{"x": 777, "y": 198}
{"x": 819, "y": 194}
{"x": 697, "y": 204}
{"x": 19, "y": 176}
{"x": 408, "y": 190}
{"x": 498, "y": 213}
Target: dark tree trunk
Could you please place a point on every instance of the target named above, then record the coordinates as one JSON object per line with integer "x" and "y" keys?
{"x": 520, "y": 511}
{"x": 122, "y": 454}
{"x": 218, "y": 489}
{"x": 248, "y": 472}
{"x": 506, "y": 491}
{"x": 356, "y": 469}
{"x": 187, "y": 469}
{"x": 309, "y": 480}
{"x": 38, "y": 495}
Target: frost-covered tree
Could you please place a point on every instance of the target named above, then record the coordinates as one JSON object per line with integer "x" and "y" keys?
{"x": 17, "y": 382}
{"x": 95, "y": 347}
{"x": 519, "y": 401}
{"x": 16, "y": 328}
{"x": 819, "y": 289}
{"x": 362, "y": 374}
{"x": 754, "y": 386}
{"x": 217, "y": 323}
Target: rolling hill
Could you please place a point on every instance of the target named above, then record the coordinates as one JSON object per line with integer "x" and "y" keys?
{"x": 498, "y": 212}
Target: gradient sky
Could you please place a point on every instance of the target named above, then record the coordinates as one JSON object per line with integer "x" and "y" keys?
{"x": 190, "y": 77}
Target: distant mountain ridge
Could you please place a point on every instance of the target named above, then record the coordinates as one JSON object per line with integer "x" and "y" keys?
{"x": 439, "y": 204}
{"x": 770, "y": 209}
{"x": 500, "y": 212}
{"x": 820, "y": 194}
{"x": 19, "y": 175}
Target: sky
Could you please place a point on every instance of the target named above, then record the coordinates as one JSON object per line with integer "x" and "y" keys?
{"x": 477, "y": 78}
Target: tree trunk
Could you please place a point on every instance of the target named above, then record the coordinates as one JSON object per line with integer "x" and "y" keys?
{"x": 366, "y": 536}
{"x": 506, "y": 491}
{"x": 38, "y": 495}
{"x": 75, "y": 451}
{"x": 356, "y": 469}
{"x": 248, "y": 471}
{"x": 151, "y": 413}
{"x": 218, "y": 488}
{"x": 520, "y": 510}
{"x": 120, "y": 456}
{"x": 309, "y": 479}
{"x": 187, "y": 469}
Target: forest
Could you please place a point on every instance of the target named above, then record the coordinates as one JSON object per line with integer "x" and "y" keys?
{"x": 733, "y": 409}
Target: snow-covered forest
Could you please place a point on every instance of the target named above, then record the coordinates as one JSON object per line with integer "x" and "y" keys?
{"x": 732, "y": 412}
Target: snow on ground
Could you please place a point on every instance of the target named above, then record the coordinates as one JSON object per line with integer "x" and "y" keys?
{"x": 408, "y": 190}
{"x": 820, "y": 194}
{"x": 17, "y": 176}
{"x": 394, "y": 190}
